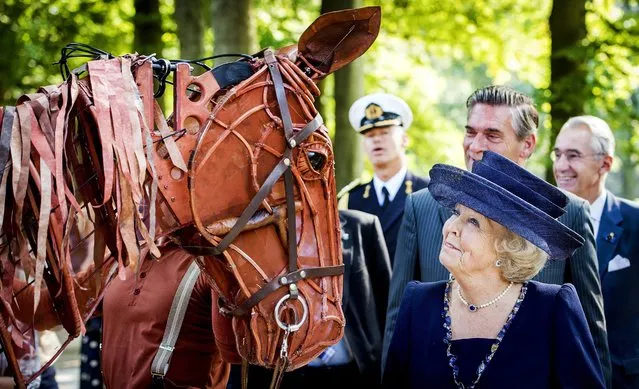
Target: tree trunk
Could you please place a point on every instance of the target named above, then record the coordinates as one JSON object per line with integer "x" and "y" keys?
{"x": 148, "y": 27}
{"x": 567, "y": 66}
{"x": 190, "y": 19}
{"x": 349, "y": 86}
{"x": 233, "y": 31}
{"x": 628, "y": 177}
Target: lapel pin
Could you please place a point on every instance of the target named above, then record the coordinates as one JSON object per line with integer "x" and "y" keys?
{"x": 610, "y": 237}
{"x": 409, "y": 186}
{"x": 367, "y": 191}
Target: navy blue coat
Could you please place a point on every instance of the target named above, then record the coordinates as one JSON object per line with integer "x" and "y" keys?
{"x": 618, "y": 241}
{"x": 420, "y": 239}
{"x": 364, "y": 198}
{"x": 548, "y": 344}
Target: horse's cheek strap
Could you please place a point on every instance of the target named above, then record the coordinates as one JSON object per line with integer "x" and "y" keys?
{"x": 280, "y": 94}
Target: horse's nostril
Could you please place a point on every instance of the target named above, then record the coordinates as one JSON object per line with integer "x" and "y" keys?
{"x": 317, "y": 160}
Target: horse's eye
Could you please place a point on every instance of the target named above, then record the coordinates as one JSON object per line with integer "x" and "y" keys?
{"x": 317, "y": 160}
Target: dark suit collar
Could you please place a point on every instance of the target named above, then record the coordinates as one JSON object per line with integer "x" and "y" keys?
{"x": 395, "y": 208}
{"x": 610, "y": 231}
{"x": 612, "y": 209}
{"x": 347, "y": 255}
{"x": 369, "y": 203}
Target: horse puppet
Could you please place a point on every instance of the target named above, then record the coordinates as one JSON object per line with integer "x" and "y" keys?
{"x": 241, "y": 176}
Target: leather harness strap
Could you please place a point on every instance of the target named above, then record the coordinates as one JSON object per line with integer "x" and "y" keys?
{"x": 280, "y": 94}
{"x": 289, "y": 279}
{"x": 160, "y": 365}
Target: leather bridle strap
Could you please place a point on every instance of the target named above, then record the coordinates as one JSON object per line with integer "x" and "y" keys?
{"x": 259, "y": 197}
{"x": 285, "y": 280}
{"x": 280, "y": 94}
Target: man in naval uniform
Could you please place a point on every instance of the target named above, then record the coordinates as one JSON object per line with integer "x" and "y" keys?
{"x": 382, "y": 120}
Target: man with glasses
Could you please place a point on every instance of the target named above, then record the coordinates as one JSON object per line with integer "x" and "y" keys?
{"x": 505, "y": 121}
{"x": 582, "y": 158}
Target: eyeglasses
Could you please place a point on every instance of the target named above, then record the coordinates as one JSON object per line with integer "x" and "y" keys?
{"x": 571, "y": 155}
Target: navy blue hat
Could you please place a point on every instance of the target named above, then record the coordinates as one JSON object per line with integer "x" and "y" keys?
{"x": 511, "y": 196}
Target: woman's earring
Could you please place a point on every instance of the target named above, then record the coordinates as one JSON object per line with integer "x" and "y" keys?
{"x": 498, "y": 263}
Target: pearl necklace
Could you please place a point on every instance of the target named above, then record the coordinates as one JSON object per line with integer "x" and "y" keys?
{"x": 475, "y": 308}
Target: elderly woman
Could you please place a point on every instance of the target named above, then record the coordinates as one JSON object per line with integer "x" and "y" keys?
{"x": 490, "y": 326}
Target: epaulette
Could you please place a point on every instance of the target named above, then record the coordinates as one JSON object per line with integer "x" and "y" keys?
{"x": 342, "y": 196}
{"x": 351, "y": 185}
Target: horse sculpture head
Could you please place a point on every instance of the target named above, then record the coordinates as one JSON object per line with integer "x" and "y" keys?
{"x": 241, "y": 175}
{"x": 261, "y": 190}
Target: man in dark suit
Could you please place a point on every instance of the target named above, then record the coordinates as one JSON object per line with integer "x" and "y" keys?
{"x": 382, "y": 120}
{"x": 356, "y": 360}
{"x": 583, "y": 155}
{"x": 505, "y": 121}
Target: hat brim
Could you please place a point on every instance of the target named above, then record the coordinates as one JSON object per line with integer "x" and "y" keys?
{"x": 380, "y": 124}
{"x": 451, "y": 186}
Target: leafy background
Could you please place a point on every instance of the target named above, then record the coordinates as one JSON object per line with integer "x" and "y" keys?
{"x": 432, "y": 54}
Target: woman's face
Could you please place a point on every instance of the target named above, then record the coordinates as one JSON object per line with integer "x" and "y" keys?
{"x": 468, "y": 246}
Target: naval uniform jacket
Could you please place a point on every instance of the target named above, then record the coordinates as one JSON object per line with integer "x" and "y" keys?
{"x": 618, "y": 254}
{"x": 364, "y": 198}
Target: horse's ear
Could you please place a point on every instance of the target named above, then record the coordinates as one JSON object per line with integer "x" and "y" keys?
{"x": 335, "y": 39}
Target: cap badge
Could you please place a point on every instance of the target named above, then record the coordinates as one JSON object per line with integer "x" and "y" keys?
{"x": 373, "y": 111}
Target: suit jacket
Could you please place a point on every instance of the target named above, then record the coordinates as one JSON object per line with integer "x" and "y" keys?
{"x": 420, "y": 240}
{"x": 618, "y": 241}
{"x": 366, "y": 281}
{"x": 364, "y": 198}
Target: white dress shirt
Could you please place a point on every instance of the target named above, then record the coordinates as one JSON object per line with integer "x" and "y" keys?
{"x": 596, "y": 210}
{"x": 392, "y": 185}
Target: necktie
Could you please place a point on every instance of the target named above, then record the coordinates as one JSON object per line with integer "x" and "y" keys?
{"x": 386, "y": 195}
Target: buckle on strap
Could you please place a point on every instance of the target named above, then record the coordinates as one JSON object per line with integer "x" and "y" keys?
{"x": 167, "y": 348}
{"x": 157, "y": 381}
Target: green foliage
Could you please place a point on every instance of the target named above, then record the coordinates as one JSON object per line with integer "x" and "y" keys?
{"x": 33, "y": 32}
{"x": 281, "y": 22}
{"x": 431, "y": 53}
{"x": 434, "y": 54}
{"x": 614, "y": 81}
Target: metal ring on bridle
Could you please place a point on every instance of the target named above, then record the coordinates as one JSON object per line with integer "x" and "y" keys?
{"x": 290, "y": 327}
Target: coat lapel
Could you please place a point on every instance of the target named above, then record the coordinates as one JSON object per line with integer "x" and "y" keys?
{"x": 347, "y": 257}
{"x": 369, "y": 199}
{"x": 396, "y": 208}
{"x": 610, "y": 231}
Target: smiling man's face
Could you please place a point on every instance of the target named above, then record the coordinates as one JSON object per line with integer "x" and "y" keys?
{"x": 385, "y": 145}
{"x": 577, "y": 168}
{"x": 490, "y": 127}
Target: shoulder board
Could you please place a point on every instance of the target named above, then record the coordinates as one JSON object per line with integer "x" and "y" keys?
{"x": 351, "y": 185}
